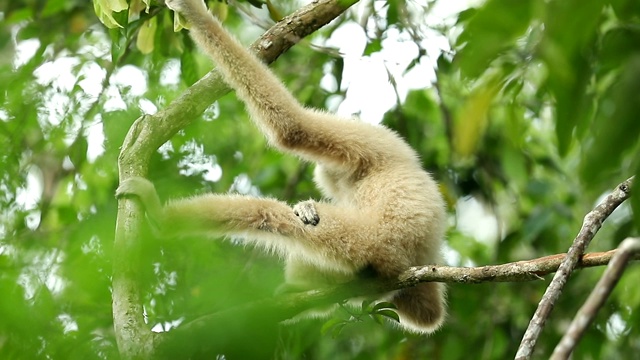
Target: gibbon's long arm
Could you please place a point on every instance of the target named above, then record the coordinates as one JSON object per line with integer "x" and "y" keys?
{"x": 316, "y": 136}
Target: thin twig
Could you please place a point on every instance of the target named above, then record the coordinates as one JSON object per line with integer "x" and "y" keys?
{"x": 520, "y": 271}
{"x": 590, "y": 226}
{"x": 596, "y": 299}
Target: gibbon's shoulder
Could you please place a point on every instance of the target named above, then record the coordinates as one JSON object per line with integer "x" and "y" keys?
{"x": 376, "y": 137}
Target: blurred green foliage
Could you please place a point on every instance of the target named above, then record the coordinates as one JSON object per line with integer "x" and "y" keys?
{"x": 532, "y": 113}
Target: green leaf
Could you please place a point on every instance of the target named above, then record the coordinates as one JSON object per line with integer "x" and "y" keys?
{"x": 570, "y": 32}
{"x": 373, "y": 46}
{"x": 105, "y": 9}
{"x": 444, "y": 64}
{"x": 513, "y": 164}
{"x": 366, "y": 305}
{"x": 392, "y": 11}
{"x": 389, "y": 314}
{"x": 465, "y": 15}
{"x": 491, "y": 29}
{"x": 616, "y": 129}
{"x": 472, "y": 119}
{"x": 334, "y": 326}
{"x": 626, "y": 10}
{"x": 384, "y": 305}
{"x": 118, "y": 44}
{"x": 53, "y": 7}
{"x": 337, "y": 70}
{"x": 146, "y": 36}
{"x": 617, "y": 46}
{"x": 189, "y": 68}
{"x": 78, "y": 151}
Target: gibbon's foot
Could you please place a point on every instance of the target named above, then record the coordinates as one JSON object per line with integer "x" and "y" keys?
{"x": 306, "y": 211}
{"x": 144, "y": 190}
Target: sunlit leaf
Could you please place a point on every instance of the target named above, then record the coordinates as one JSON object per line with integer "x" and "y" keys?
{"x": 220, "y": 9}
{"x": 105, "y": 9}
{"x": 471, "y": 120}
{"x": 389, "y": 314}
{"x": 383, "y": 305}
{"x": 146, "y": 36}
{"x": 136, "y": 7}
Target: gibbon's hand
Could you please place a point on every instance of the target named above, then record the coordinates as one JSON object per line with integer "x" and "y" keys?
{"x": 306, "y": 211}
{"x": 144, "y": 190}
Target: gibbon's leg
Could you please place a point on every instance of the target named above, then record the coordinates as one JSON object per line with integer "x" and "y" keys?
{"x": 316, "y": 136}
{"x": 342, "y": 234}
{"x": 211, "y": 213}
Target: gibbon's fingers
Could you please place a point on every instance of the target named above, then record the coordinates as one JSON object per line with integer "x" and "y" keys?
{"x": 306, "y": 211}
{"x": 144, "y": 190}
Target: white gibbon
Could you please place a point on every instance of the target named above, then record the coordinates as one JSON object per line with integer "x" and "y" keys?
{"x": 383, "y": 211}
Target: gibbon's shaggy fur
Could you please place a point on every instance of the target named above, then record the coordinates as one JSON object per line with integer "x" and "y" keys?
{"x": 384, "y": 213}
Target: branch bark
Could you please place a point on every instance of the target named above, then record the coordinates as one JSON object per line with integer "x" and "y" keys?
{"x": 590, "y": 226}
{"x": 626, "y": 251}
{"x": 134, "y": 338}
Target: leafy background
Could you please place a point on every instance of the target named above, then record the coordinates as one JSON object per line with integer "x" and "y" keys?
{"x": 532, "y": 116}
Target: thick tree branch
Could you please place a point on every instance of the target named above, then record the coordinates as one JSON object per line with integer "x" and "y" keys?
{"x": 626, "y": 251}
{"x": 133, "y": 336}
{"x": 590, "y": 226}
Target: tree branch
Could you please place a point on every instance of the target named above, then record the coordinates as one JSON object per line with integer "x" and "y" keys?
{"x": 626, "y": 251}
{"x": 148, "y": 132}
{"x": 590, "y": 226}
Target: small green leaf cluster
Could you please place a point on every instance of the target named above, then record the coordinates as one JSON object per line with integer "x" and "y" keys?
{"x": 376, "y": 310}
